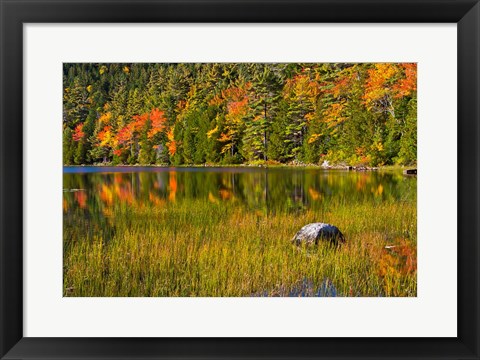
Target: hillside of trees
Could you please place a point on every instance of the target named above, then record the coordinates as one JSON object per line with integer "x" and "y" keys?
{"x": 229, "y": 113}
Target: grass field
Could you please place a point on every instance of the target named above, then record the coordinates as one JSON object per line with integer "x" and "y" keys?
{"x": 205, "y": 248}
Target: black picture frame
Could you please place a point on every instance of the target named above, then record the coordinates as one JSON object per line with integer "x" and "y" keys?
{"x": 14, "y": 13}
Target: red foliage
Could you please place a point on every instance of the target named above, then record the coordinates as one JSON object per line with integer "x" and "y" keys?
{"x": 139, "y": 121}
{"x": 124, "y": 135}
{"x": 238, "y": 107}
{"x": 158, "y": 119}
{"x": 408, "y": 84}
{"x": 78, "y": 133}
{"x": 81, "y": 198}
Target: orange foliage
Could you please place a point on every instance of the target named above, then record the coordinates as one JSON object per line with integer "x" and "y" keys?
{"x": 105, "y": 118}
{"x": 216, "y": 101}
{"x": 398, "y": 260}
{"x": 124, "y": 135}
{"x": 225, "y": 194}
{"x": 378, "y": 82}
{"x": 172, "y": 185}
{"x": 154, "y": 199}
{"x": 343, "y": 84}
{"x": 78, "y": 133}
{"x": 105, "y": 136}
{"x": 181, "y": 104}
{"x": 158, "y": 122}
{"x": 106, "y": 195}
{"x": 125, "y": 193}
{"x": 225, "y": 137}
{"x": 81, "y": 199}
{"x": 408, "y": 84}
{"x": 236, "y": 93}
{"x": 362, "y": 182}
{"x": 139, "y": 122}
{"x": 337, "y": 94}
{"x": 171, "y": 144}
{"x": 118, "y": 178}
{"x": 123, "y": 189}
{"x": 314, "y": 194}
{"x": 238, "y": 108}
{"x": 302, "y": 87}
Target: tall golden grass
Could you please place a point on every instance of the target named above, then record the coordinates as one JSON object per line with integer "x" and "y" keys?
{"x": 200, "y": 248}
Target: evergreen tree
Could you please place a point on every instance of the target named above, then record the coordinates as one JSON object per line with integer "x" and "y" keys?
{"x": 239, "y": 113}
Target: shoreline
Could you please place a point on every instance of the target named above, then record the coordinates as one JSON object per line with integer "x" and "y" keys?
{"x": 273, "y": 166}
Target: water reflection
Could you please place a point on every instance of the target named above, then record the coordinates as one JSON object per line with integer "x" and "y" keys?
{"x": 305, "y": 288}
{"x": 98, "y": 189}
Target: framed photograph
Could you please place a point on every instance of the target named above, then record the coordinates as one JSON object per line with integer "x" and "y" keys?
{"x": 239, "y": 179}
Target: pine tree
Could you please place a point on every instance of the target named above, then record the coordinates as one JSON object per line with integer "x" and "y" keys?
{"x": 238, "y": 113}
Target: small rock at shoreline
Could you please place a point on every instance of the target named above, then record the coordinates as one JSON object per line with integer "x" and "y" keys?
{"x": 410, "y": 172}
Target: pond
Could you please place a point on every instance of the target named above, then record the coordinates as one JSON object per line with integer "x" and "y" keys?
{"x": 158, "y": 231}
{"x": 277, "y": 189}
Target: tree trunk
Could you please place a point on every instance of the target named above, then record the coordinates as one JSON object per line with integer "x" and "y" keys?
{"x": 265, "y": 132}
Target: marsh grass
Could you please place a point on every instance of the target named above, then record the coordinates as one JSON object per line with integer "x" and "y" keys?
{"x": 199, "y": 248}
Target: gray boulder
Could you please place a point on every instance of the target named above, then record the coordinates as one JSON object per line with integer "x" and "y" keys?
{"x": 313, "y": 233}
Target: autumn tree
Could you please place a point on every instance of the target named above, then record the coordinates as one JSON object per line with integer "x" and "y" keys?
{"x": 229, "y": 113}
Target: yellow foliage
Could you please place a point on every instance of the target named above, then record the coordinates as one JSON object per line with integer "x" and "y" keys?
{"x": 314, "y": 138}
{"x": 380, "y": 189}
{"x": 334, "y": 114}
{"x": 212, "y": 198}
{"x": 310, "y": 116}
{"x": 171, "y": 144}
{"x": 377, "y": 85}
{"x": 106, "y": 194}
{"x": 216, "y": 100}
{"x": 105, "y": 118}
{"x": 106, "y": 138}
{"x": 170, "y": 135}
{"x": 314, "y": 194}
{"x": 211, "y": 132}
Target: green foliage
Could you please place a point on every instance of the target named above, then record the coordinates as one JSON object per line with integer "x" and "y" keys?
{"x": 408, "y": 142}
{"x": 68, "y": 151}
{"x": 239, "y": 113}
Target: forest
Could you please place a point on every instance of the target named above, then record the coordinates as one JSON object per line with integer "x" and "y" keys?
{"x": 240, "y": 113}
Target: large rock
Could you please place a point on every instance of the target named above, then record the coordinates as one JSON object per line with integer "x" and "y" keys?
{"x": 313, "y": 233}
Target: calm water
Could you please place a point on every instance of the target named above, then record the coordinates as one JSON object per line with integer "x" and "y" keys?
{"x": 93, "y": 189}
